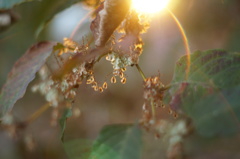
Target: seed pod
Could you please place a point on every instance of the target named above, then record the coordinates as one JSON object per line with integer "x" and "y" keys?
{"x": 94, "y": 84}
{"x": 90, "y": 80}
{"x": 113, "y": 79}
{"x": 123, "y": 69}
{"x": 100, "y": 89}
{"x": 96, "y": 88}
{"x": 105, "y": 85}
{"x": 123, "y": 80}
{"x": 121, "y": 74}
{"x": 108, "y": 58}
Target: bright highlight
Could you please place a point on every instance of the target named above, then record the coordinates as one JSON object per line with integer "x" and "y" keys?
{"x": 149, "y": 6}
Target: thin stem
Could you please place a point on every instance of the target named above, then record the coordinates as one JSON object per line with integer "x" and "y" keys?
{"x": 141, "y": 72}
{"x": 100, "y": 57}
{"x": 37, "y": 113}
{"x": 166, "y": 87}
{"x": 153, "y": 110}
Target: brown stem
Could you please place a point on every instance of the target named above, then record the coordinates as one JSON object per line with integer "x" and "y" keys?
{"x": 38, "y": 113}
{"x": 141, "y": 72}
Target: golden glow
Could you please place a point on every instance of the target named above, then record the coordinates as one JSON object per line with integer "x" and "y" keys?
{"x": 149, "y": 6}
{"x": 186, "y": 44}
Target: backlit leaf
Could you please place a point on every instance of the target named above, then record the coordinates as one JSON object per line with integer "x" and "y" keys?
{"x": 22, "y": 73}
{"x": 109, "y": 16}
{"x": 210, "y": 93}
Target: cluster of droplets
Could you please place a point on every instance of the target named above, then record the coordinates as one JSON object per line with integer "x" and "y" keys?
{"x": 119, "y": 67}
{"x": 153, "y": 99}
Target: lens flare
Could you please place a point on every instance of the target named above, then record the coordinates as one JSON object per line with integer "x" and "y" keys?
{"x": 149, "y": 6}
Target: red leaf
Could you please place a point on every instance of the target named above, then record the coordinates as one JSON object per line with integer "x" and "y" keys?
{"x": 22, "y": 73}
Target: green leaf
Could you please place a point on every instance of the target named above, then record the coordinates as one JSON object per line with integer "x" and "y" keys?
{"x": 22, "y": 73}
{"x": 7, "y": 4}
{"x": 41, "y": 11}
{"x": 52, "y": 8}
{"x": 66, "y": 114}
{"x": 78, "y": 149}
{"x": 210, "y": 93}
{"x": 22, "y": 34}
{"x": 117, "y": 142}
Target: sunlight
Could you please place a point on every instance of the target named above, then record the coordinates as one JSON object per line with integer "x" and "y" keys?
{"x": 149, "y": 6}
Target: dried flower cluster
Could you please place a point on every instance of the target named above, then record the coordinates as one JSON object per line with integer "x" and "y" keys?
{"x": 153, "y": 91}
{"x": 122, "y": 52}
{"x": 153, "y": 95}
{"x": 153, "y": 99}
{"x": 57, "y": 91}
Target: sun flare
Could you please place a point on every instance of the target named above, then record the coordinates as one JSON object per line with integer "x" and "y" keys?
{"x": 149, "y": 6}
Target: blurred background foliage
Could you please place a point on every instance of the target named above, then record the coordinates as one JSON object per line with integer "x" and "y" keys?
{"x": 208, "y": 25}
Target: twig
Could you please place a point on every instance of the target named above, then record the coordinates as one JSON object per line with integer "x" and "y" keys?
{"x": 37, "y": 113}
{"x": 153, "y": 110}
{"x": 141, "y": 72}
